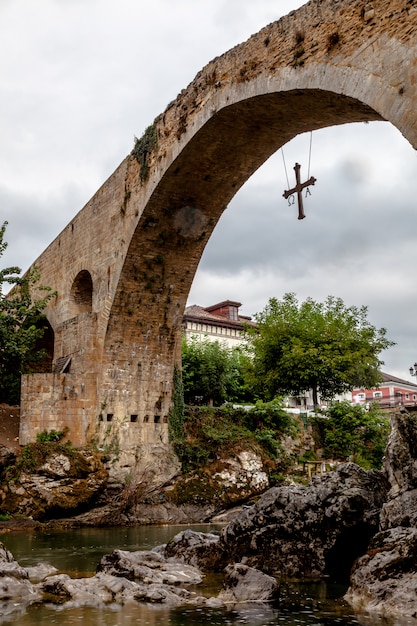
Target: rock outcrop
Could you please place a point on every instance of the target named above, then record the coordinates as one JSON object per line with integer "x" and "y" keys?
{"x": 202, "y": 550}
{"x": 400, "y": 467}
{"x": 67, "y": 481}
{"x": 384, "y": 579}
{"x": 300, "y": 532}
{"x": 148, "y": 565}
{"x": 309, "y": 531}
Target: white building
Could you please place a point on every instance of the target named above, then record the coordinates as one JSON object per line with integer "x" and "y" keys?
{"x": 220, "y": 322}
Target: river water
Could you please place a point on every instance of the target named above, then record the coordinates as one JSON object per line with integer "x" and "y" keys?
{"x": 77, "y": 553}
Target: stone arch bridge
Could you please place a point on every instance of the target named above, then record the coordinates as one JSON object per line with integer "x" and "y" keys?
{"x": 123, "y": 267}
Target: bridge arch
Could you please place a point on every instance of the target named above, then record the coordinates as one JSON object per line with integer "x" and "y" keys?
{"x": 144, "y": 232}
{"x": 81, "y": 294}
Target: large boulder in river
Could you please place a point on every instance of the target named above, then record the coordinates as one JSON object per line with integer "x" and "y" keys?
{"x": 309, "y": 531}
{"x": 384, "y": 579}
{"x": 148, "y": 566}
{"x": 202, "y": 550}
{"x": 51, "y": 481}
{"x": 246, "y": 584}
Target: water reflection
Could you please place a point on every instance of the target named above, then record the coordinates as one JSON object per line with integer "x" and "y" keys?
{"x": 148, "y": 615}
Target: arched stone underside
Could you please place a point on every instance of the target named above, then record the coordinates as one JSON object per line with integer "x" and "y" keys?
{"x": 141, "y": 236}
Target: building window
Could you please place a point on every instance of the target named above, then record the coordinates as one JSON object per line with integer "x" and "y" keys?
{"x": 233, "y": 314}
{"x": 407, "y": 396}
{"x": 133, "y": 418}
{"x": 377, "y": 394}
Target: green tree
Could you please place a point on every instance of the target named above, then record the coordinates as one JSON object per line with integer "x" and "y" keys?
{"x": 213, "y": 373}
{"x": 326, "y": 347}
{"x": 353, "y": 433}
{"x": 22, "y": 325}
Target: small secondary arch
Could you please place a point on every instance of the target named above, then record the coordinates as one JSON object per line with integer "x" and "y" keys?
{"x": 81, "y": 294}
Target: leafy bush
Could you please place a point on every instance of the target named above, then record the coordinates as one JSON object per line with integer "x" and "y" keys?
{"x": 353, "y": 433}
{"x": 271, "y": 415}
{"x": 51, "y": 435}
{"x": 209, "y": 433}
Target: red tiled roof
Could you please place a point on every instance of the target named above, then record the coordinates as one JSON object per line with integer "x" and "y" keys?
{"x": 198, "y": 313}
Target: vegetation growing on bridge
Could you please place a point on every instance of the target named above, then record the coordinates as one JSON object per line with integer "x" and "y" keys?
{"x": 143, "y": 147}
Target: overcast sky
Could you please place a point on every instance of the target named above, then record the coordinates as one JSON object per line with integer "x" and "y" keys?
{"x": 79, "y": 79}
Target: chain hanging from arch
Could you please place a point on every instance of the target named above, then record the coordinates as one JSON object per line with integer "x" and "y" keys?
{"x": 299, "y": 186}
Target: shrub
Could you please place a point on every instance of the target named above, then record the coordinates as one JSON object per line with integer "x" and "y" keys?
{"x": 51, "y": 435}
{"x": 353, "y": 433}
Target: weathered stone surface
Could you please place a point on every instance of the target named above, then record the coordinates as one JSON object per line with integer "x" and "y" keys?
{"x": 400, "y": 466}
{"x": 63, "y": 485}
{"x": 384, "y": 580}
{"x": 309, "y": 531}
{"x": 400, "y": 511}
{"x": 7, "y": 457}
{"x": 246, "y": 584}
{"x": 400, "y": 460}
{"x": 229, "y": 480}
{"x": 123, "y": 577}
{"x": 16, "y": 590}
{"x": 97, "y": 591}
{"x": 148, "y": 566}
{"x": 243, "y": 473}
{"x": 202, "y": 550}
{"x": 41, "y": 571}
{"x": 148, "y": 577}
{"x": 127, "y": 577}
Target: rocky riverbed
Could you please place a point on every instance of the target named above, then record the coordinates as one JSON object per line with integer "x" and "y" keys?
{"x": 348, "y": 525}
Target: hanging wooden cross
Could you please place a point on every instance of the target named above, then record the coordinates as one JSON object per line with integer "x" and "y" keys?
{"x": 298, "y": 190}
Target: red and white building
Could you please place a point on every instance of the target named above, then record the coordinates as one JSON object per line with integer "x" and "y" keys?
{"x": 391, "y": 392}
